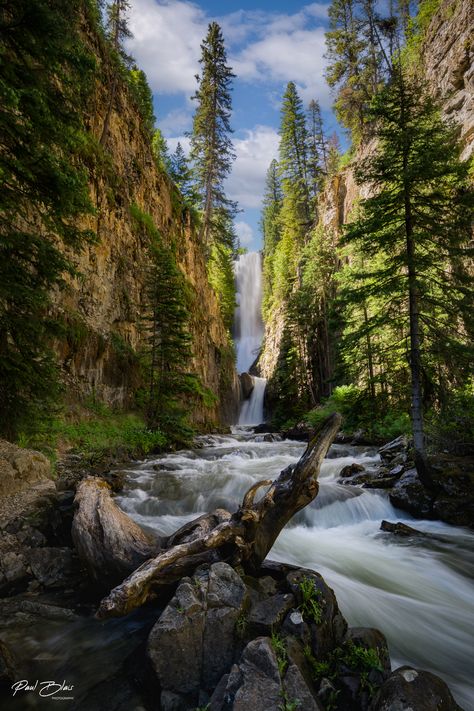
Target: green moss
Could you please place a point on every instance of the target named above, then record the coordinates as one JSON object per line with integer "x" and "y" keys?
{"x": 278, "y": 646}
{"x": 310, "y": 608}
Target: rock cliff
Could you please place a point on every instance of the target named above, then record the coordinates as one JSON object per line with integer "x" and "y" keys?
{"x": 447, "y": 61}
{"x": 104, "y": 305}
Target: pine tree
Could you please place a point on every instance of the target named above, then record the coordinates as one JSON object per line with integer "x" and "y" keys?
{"x": 316, "y": 149}
{"x": 293, "y": 157}
{"x": 143, "y": 97}
{"x": 45, "y": 72}
{"x": 161, "y": 151}
{"x": 116, "y": 31}
{"x": 182, "y": 174}
{"x": 271, "y": 230}
{"x": 418, "y": 223}
{"x": 211, "y": 146}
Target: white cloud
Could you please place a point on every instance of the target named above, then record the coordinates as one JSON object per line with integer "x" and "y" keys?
{"x": 166, "y": 42}
{"x": 174, "y": 140}
{"x": 263, "y": 46}
{"x": 176, "y": 121}
{"x": 244, "y": 233}
{"x": 254, "y": 154}
{"x": 288, "y": 56}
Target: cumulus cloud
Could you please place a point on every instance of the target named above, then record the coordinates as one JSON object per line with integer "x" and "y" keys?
{"x": 176, "y": 121}
{"x": 166, "y": 42}
{"x": 254, "y": 153}
{"x": 244, "y": 233}
{"x": 263, "y": 46}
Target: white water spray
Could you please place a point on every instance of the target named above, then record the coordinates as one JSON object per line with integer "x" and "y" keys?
{"x": 249, "y": 330}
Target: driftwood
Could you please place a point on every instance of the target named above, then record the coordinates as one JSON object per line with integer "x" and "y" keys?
{"x": 109, "y": 543}
{"x": 243, "y": 538}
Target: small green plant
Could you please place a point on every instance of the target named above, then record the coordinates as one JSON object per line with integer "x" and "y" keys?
{"x": 310, "y": 608}
{"x": 288, "y": 704}
{"x": 278, "y": 645}
{"x": 241, "y": 625}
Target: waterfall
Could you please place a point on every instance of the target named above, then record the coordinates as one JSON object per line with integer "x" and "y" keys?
{"x": 248, "y": 330}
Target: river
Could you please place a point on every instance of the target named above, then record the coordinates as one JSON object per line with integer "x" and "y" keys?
{"x": 418, "y": 591}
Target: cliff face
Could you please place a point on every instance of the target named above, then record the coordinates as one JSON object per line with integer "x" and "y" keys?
{"x": 104, "y": 305}
{"x": 448, "y": 63}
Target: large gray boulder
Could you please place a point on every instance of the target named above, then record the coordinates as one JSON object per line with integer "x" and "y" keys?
{"x": 408, "y": 688}
{"x": 194, "y": 641}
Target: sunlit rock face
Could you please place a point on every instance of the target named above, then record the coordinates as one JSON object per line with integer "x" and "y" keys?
{"x": 104, "y": 305}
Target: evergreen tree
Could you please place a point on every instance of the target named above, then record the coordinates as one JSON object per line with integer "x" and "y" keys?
{"x": 45, "y": 72}
{"x": 316, "y": 149}
{"x": 211, "y": 146}
{"x": 116, "y": 31}
{"x": 418, "y": 223}
{"x": 293, "y": 157}
{"x": 271, "y": 230}
{"x": 143, "y": 97}
{"x": 161, "y": 151}
{"x": 182, "y": 174}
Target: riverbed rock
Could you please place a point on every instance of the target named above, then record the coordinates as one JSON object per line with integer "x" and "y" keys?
{"x": 21, "y": 468}
{"x": 7, "y": 666}
{"x": 247, "y": 384}
{"x": 301, "y": 432}
{"x": 254, "y": 683}
{"x": 400, "y": 529}
{"x": 329, "y": 630}
{"x": 410, "y": 495}
{"x": 269, "y": 613}
{"x": 408, "y": 688}
{"x": 194, "y": 641}
{"x": 350, "y": 470}
{"x": 389, "y": 451}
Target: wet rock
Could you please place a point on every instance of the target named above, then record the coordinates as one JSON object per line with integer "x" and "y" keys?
{"x": 329, "y": 630}
{"x": 400, "y": 529}
{"x": 410, "y": 495}
{"x": 457, "y": 511}
{"x": 194, "y": 641}
{"x": 21, "y": 468}
{"x": 269, "y": 437}
{"x": 265, "y": 428}
{"x": 350, "y": 470}
{"x": 269, "y": 613}
{"x": 391, "y": 450}
{"x": 297, "y": 691}
{"x": 252, "y": 684}
{"x": 247, "y": 384}
{"x": 408, "y": 688}
{"x": 51, "y": 566}
{"x": 385, "y": 482}
{"x": 8, "y": 672}
{"x": 371, "y": 638}
{"x": 301, "y": 432}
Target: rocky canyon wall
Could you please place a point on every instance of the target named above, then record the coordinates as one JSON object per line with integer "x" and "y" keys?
{"x": 104, "y": 305}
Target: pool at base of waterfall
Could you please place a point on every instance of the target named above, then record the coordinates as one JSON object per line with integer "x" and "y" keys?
{"x": 418, "y": 590}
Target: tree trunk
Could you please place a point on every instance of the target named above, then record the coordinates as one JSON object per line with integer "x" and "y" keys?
{"x": 243, "y": 538}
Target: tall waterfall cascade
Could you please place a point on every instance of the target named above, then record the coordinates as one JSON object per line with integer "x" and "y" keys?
{"x": 249, "y": 330}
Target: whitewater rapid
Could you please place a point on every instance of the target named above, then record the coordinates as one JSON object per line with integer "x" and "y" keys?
{"x": 418, "y": 591}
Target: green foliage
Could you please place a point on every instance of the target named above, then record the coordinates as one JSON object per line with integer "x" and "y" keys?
{"x": 221, "y": 277}
{"x": 357, "y": 658}
{"x": 288, "y": 704}
{"x": 310, "y": 607}
{"x": 409, "y": 300}
{"x": 43, "y": 89}
{"x": 211, "y": 147}
{"x": 182, "y": 174}
{"x": 278, "y": 645}
{"x": 160, "y": 151}
{"x": 451, "y": 425}
{"x": 141, "y": 94}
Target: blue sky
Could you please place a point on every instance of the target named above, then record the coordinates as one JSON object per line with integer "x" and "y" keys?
{"x": 268, "y": 44}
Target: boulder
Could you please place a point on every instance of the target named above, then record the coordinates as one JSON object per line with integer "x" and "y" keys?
{"x": 350, "y": 470}
{"x": 254, "y": 683}
{"x": 328, "y": 631}
{"x": 400, "y": 529}
{"x": 247, "y": 384}
{"x": 297, "y": 692}
{"x": 408, "y": 688}
{"x": 410, "y": 495}
{"x": 51, "y": 566}
{"x": 269, "y": 613}
{"x": 194, "y": 641}
{"x": 8, "y": 672}
{"x": 301, "y": 432}
{"x": 389, "y": 451}
{"x": 21, "y": 468}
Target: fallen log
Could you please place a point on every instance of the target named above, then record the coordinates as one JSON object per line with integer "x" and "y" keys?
{"x": 109, "y": 543}
{"x": 243, "y": 538}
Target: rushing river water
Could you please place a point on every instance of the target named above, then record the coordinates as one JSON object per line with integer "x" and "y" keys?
{"x": 418, "y": 591}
